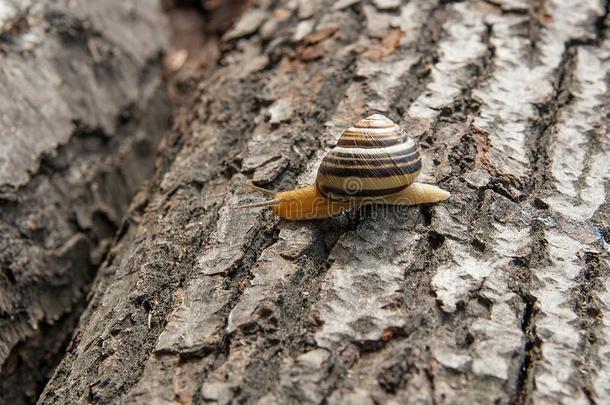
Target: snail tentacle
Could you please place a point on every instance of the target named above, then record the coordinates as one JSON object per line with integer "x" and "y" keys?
{"x": 261, "y": 190}
{"x": 269, "y": 203}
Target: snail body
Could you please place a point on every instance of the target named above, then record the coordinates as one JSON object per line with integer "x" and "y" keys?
{"x": 374, "y": 162}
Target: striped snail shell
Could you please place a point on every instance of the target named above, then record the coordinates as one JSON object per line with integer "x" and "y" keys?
{"x": 372, "y": 159}
{"x": 374, "y": 162}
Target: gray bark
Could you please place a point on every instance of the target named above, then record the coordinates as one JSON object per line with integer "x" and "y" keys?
{"x": 499, "y": 295}
{"x": 82, "y": 111}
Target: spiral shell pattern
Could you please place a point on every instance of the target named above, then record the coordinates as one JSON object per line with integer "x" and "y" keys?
{"x": 372, "y": 159}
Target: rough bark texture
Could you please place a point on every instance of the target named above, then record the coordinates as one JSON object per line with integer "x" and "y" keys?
{"x": 499, "y": 295}
{"x": 82, "y": 109}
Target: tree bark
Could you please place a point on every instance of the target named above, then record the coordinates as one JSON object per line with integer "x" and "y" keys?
{"x": 83, "y": 108}
{"x": 499, "y": 295}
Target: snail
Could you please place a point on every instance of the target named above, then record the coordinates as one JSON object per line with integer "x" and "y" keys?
{"x": 374, "y": 162}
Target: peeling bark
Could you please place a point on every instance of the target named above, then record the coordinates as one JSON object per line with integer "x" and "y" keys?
{"x": 499, "y": 295}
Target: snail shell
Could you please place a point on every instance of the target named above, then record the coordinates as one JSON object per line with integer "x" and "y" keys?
{"x": 372, "y": 159}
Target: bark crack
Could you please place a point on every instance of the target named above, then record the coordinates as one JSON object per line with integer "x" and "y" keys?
{"x": 525, "y": 376}
{"x": 544, "y": 126}
{"x": 589, "y": 309}
{"x": 415, "y": 80}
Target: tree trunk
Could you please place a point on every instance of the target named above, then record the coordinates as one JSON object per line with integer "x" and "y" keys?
{"x": 498, "y": 295}
{"x": 83, "y": 108}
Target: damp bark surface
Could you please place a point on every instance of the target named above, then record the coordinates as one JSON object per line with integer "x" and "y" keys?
{"x": 82, "y": 110}
{"x": 498, "y": 295}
